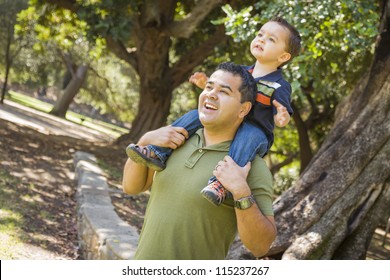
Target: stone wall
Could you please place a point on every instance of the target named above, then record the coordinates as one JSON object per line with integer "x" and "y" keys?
{"x": 102, "y": 234}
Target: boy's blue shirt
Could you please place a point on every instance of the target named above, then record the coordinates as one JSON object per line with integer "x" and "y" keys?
{"x": 269, "y": 87}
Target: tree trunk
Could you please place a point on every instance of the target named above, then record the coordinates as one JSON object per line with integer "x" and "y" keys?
{"x": 8, "y": 61}
{"x": 5, "y": 84}
{"x": 155, "y": 82}
{"x": 344, "y": 194}
{"x": 305, "y": 151}
{"x": 62, "y": 105}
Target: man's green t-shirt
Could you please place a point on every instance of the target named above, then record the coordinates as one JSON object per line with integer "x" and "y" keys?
{"x": 179, "y": 222}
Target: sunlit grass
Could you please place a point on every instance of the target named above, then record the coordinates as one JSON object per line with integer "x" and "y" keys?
{"x": 39, "y": 105}
{"x": 11, "y": 218}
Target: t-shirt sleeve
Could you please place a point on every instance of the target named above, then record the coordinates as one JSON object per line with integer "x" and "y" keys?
{"x": 283, "y": 96}
{"x": 261, "y": 183}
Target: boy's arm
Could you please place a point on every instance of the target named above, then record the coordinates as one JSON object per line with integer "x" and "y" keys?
{"x": 282, "y": 118}
{"x": 138, "y": 178}
{"x": 199, "y": 79}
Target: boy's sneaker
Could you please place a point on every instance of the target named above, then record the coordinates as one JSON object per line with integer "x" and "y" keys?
{"x": 143, "y": 155}
{"x": 215, "y": 193}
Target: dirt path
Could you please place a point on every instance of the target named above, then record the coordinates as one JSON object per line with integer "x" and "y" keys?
{"x": 37, "y": 175}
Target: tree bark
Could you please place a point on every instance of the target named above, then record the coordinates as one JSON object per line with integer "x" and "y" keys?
{"x": 62, "y": 105}
{"x": 8, "y": 60}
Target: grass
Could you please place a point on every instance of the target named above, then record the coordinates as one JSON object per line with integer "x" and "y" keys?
{"x": 86, "y": 121}
{"x": 11, "y": 217}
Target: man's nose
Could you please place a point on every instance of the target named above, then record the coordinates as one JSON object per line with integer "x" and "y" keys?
{"x": 212, "y": 94}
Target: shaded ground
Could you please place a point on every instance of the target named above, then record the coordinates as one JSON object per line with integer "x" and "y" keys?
{"x": 37, "y": 193}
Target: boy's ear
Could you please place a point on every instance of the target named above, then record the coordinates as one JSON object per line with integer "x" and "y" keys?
{"x": 284, "y": 57}
{"x": 245, "y": 108}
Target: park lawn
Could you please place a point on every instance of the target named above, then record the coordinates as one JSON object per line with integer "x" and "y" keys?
{"x": 86, "y": 121}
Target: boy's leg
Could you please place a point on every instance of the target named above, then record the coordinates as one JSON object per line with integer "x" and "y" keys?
{"x": 155, "y": 156}
{"x": 249, "y": 141}
{"x": 190, "y": 122}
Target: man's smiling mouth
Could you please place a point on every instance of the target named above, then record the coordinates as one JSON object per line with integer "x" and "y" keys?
{"x": 210, "y": 106}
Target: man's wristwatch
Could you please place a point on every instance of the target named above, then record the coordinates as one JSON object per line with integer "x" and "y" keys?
{"x": 245, "y": 202}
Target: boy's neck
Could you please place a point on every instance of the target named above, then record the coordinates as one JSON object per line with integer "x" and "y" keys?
{"x": 261, "y": 70}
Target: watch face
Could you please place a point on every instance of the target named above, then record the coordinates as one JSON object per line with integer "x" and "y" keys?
{"x": 244, "y": 203}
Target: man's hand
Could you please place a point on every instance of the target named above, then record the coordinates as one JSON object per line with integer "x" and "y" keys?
{"x": 282, "y": 118}
{"x": 233, "y": 177}
{"x": 199, "y": 79}
{"x": 167, "y": 136}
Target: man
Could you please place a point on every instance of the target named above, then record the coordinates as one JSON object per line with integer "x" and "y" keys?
{"x": 179, "y": 223}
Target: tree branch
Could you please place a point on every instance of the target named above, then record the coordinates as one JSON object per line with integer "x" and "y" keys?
{"x": 119, "y": 49}
{"x": 195, "y": 57}
{"x": 289, "y": 158}
{"x": 184, "y": 28}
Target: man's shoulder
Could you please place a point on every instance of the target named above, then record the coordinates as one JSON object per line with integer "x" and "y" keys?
{"x": 259, "y": 168}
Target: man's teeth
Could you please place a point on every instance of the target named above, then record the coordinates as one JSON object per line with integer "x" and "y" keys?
{"x": 209, "y": 106}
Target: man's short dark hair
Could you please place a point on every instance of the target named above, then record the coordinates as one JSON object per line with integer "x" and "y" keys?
{"x": 248, "y": 88}
{"x": 294, "y": 40}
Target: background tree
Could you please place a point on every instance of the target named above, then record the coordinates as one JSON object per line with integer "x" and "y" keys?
{"x": 62, "y": 34}
{"x": 163, "y": 41}
{"x": 13, "y": 45}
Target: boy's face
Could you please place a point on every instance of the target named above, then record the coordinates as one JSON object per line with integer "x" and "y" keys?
{"x": 270, "y": 44}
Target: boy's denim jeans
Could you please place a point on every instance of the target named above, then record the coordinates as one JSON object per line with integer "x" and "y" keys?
{"x": 249, "y": 140}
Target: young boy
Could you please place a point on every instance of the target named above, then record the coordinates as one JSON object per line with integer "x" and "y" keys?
{"x": 275, "y": 45}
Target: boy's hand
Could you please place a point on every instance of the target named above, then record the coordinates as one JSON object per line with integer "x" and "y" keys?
{"x": 199, "y": 79}
{"x": 282, "y": 118}
{"x": 166, "y": 136}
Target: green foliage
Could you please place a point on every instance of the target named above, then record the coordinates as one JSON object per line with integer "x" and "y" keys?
{"x": 285, "y": 178}
{"x": 185, "y": 98}
{"x": 112, "y": 88}
{"x": 10, "y": 44}
{"x": 107, "y": 17}
{"x": 240, "y": 25}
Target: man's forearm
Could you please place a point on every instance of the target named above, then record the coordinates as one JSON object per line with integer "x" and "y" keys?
{"x": 257, "y": 232}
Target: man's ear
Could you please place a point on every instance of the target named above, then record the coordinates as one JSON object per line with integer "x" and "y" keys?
{"x": 245, "y": 108}
{"x": 284, "y": 57}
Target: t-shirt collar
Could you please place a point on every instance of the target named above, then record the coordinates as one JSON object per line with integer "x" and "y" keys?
{"x": 223, "y": 146}
{"x": 271, "y": 77}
